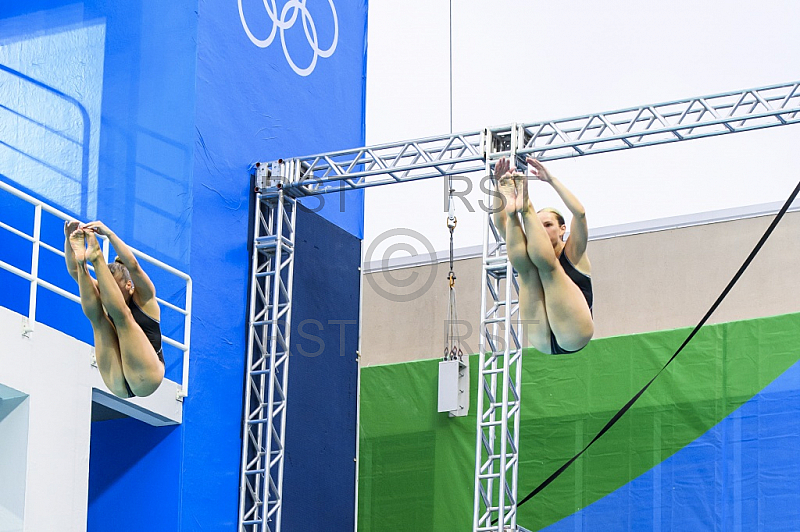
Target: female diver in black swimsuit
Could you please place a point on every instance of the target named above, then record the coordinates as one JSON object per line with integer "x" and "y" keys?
{"x": 554, "y": 276}
{"x": 121, "y": 305}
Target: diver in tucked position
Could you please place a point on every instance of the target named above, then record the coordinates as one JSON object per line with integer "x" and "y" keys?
{"x": 554, "y": 276}
{"x": 121, "y": 305}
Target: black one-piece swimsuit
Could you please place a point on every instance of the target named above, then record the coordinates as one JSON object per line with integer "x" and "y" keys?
{"x": 152, "y": 330}
{"x": 584, "y": 282}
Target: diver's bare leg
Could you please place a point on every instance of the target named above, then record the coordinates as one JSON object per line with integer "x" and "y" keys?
{"x": 567, "y": 311}
{"x": 141, "y": 366}
{"x": 503, "y": 201}
{"x": 505, "y": 213}
{"x": 69, "y": 255}
{"x": 533, "y": 310}
{"x": 106, "y": 344}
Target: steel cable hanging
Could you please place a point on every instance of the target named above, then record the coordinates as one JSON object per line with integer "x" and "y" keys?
{"x": 452, "y": 347}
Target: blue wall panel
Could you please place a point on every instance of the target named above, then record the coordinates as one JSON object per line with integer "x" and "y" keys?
{"x": 319, "y": 477}
{"x": 251, "y": 106}
{"x": 97, "y": 109}
{"x": 148, "y": 116}
{"x": 743, "y": 474}
{"x": 134, "y": 480}
{"x": 96, "y": 119}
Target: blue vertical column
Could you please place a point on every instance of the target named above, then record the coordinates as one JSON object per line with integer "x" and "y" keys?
{"x": 270, "y": 85}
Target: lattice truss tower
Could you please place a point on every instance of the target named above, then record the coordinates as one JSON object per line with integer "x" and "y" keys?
{"x": 280, "y": 183}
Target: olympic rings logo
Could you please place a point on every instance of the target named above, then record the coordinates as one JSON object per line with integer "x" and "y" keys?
{"x": 288, "y": 16}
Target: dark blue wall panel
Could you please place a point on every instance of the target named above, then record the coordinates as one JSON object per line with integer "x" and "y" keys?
{"x": 319, "y": 477}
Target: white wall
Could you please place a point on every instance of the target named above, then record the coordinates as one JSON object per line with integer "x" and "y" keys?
{"x": 13, "y": 457}
{"x": 56, "y": 372}
{"x": 50, "y": 368}
{"x": 524, "y": 61}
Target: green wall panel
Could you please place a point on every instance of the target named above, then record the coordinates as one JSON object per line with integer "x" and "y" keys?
{"x": 416, "y": 466}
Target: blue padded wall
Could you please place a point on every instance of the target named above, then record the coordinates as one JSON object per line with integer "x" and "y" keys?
{"x": 97, "y": 109}
{"x": 251, "y": 106}
{"x": 148, "y": 116}
{"x": 98, "y": 113}
{"x": 87, "y": 125}
{"x": 134, "y": 483}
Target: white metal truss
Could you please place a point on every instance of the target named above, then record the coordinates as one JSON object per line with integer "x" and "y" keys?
{"x": 261, "y": 480}
{"x": 460, "y": 153}
{"x": 497, "y": 446}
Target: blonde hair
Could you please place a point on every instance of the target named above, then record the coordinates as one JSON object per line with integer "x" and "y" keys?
{"x": 118, "y": 266}
{"x": 559, "y": 216}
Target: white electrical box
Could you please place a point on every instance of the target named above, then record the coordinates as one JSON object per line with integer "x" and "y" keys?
{"x": 454, "y": 387}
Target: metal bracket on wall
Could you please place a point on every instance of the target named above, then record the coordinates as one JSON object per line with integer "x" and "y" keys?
{"x": 27, "y": 327}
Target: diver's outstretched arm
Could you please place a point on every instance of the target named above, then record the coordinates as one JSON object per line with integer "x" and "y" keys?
{"x": 578, "y": 228}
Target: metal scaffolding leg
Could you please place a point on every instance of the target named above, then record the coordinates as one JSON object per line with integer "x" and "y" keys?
{"x": 497, "y": 446}
{"x": 261, "y": 480}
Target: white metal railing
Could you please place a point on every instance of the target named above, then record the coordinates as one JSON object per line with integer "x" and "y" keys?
{"x": 36, "y": 282}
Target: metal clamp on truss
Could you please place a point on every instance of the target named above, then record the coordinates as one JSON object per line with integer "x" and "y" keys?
{"x": 270, "y": 175}
{"x": 281, "y": 174}
{"x": 501, "y": 142}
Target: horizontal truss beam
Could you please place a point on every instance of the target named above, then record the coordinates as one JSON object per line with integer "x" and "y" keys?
{"x": 460, "y": 153}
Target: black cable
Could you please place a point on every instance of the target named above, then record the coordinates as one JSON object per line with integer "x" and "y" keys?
{"x": 716, "y": 304}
